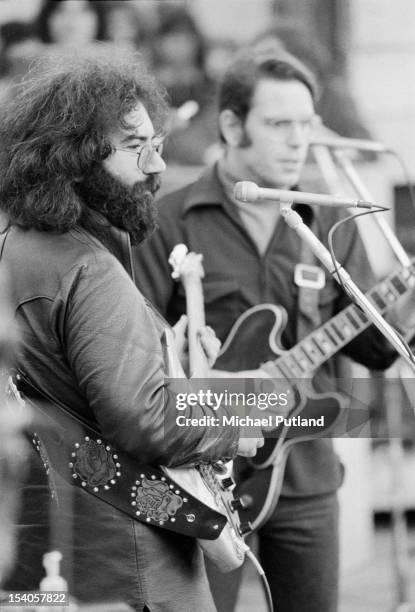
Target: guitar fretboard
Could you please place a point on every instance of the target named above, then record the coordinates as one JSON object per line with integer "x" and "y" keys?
{"x": 311, "y": 352}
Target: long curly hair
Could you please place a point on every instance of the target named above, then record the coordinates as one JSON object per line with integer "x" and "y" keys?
{"x": 54, "y": 130}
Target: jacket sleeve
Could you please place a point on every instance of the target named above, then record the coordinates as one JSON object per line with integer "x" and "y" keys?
{"x": 113, "y": 348}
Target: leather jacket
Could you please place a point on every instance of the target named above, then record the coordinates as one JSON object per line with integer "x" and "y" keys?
{"x": 89, "y": 339}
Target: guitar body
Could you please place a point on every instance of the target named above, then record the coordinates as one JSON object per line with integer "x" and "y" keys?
{"x": 255, "y": 339}
{"x": 227, "y": 551}
{"x": 259, "y": 486}
{"x": 195, "y": 501}
{"x": 259, "y": 330}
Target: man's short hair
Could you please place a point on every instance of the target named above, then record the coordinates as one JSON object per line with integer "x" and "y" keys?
{"x": 55, "y": 128}
{"x": 238, "y": 84}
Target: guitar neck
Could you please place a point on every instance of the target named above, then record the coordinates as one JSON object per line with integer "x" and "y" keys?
{"x": 316, "y": 348}
{"x": 196, "y": 321}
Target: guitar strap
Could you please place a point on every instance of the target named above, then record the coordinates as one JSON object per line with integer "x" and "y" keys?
{"x": 310, "y": 278}
{"x": 76, "y": 452}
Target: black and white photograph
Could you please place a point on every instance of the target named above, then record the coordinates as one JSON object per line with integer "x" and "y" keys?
{"x": 207, "y": 305}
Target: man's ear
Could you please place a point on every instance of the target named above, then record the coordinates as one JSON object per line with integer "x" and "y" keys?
{"x": 231, "y": 128}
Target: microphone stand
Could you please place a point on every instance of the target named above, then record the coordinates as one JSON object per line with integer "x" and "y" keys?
{"x": 294, "y": 221}
{"x": 349, "y": 171}
{"x": 394, "y": 420}
{"x": 327, "y": 167}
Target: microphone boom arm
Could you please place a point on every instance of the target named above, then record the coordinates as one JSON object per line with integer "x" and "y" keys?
{"x": 351, "y": 174}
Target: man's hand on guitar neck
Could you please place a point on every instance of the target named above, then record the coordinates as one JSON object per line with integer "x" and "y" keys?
{"x": 209, "y": 342}
{"x": 251, "y": 437}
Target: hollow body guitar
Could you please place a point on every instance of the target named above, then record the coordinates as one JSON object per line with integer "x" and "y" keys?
{"x": 211, "y": 484}
{"x": 255, "y": 339}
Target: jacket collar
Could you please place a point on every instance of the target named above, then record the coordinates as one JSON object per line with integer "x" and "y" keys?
{"x": 118, "y": 242}
{"x": 121, "y": 248}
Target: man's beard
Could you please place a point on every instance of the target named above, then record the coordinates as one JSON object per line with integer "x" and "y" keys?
{"x": 129, "y": 208}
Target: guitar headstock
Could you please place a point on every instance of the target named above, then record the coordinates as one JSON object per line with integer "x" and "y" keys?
{"x": 186, "y": 266}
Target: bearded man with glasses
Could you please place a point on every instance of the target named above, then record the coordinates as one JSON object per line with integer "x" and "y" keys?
{"x": 266, "y": 118}
{"x": 80, "y": 163}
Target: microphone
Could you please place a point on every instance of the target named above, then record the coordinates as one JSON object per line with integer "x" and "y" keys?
{"x": 246, "y": 191}
{"x": 358, "y": 144}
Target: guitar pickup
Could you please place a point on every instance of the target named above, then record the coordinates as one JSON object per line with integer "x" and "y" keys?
{"x": 227, "y": 483}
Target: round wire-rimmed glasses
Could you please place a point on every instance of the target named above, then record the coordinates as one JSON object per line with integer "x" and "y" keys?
{"x": 144, "y": 153}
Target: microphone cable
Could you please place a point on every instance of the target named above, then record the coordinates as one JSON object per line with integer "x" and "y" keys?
{"x": 333, "y": 257}
{"x": 335, "y": 227}
{"x": 264, "y": 581}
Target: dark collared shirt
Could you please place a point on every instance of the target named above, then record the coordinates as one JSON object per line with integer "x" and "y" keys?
{"x": 237, "y": 277}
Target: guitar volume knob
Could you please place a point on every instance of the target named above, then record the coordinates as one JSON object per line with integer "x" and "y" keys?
{"x": 247, "y": 500}
{"x": 238, "y": 504}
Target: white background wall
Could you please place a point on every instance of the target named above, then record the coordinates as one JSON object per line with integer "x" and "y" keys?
{"x": 382, "y": 70}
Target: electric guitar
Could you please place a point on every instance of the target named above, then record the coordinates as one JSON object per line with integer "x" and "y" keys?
{"x": 260, "y": 328}
{"x": 197, "y": 502}
{"x": 213, "y": 485}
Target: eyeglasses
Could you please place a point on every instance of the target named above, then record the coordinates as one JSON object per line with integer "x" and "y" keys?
{"x": 144, "y": 153}
{"x": 284, "y": 127}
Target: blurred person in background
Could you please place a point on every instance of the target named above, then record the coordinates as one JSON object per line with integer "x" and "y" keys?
{"x": 13, "y": 420}
{"x": 89, "y": 127}
{"x": 59, "y": 23}
{"x": 19, "y": 45}
{"x": 178, "y": 56}
{"x": 126, "y": 27}
{"x": 178, "y": 59}
{"x": 250, "y": 257}
{"x": 71, "y": 22}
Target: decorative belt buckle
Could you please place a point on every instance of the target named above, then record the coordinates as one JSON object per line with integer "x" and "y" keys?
{"x": 311, "y": 277}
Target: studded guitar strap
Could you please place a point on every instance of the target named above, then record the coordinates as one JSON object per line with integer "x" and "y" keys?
{"x": 77, "y": 452}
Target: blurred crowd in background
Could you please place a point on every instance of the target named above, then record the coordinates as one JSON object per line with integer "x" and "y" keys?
{"x": 189, "y": 63}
